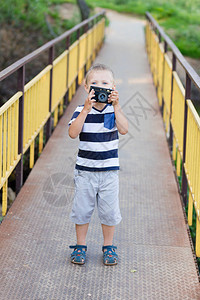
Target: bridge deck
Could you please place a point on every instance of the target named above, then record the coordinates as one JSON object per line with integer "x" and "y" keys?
{"x": 156, "y": 260}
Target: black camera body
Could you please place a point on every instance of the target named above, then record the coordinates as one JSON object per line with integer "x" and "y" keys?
{"x": 101, "y": 94}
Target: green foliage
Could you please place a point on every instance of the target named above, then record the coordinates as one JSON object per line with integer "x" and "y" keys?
{"x": 197, "y": 106}
{"x": 33, "y": 13}
{"x": 179, "y": 18}
{"x": 30, "y": 11}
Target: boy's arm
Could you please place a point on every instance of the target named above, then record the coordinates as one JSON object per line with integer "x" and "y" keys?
{"x": 77, "y": 125}
{"x": 121, "y": 121}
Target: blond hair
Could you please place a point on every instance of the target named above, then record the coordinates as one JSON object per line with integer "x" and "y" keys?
{"x": 97, "y": 67}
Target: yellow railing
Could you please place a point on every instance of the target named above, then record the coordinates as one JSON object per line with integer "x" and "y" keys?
{"x": 177, "y": 120}
{"x": 66, "y": 70}
{"x": 59, "y": 87}
{"x": 36, "y": 110}
{"x": 8, "y": 143}
{"x": 82, "y": 56}
{"x": 167, "y": 75}
{"x": 192, "y": 168}
{"x": 160, "y": 72}
{"x": 171, "y": 96}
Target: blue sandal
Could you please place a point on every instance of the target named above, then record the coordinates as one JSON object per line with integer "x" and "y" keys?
{"x": 78, "y": 256}
{"x": 110, "y": 258}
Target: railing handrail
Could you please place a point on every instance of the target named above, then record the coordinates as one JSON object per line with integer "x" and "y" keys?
{"x": 19, "y": 63}
{"x": 187, "y": 67}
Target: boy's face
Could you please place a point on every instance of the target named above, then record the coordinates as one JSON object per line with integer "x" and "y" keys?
{"x": 100, "y": 78}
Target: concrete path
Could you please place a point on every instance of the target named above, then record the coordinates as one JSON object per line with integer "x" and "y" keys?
{"x": 156, "y": 260}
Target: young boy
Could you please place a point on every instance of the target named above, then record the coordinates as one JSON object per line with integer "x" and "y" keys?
{"x": 97, "y": 165}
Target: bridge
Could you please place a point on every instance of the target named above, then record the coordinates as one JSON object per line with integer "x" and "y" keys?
{"x": 159, "y": 175}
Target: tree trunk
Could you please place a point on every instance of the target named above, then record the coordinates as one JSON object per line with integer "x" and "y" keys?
{"x": 84, "y": 9}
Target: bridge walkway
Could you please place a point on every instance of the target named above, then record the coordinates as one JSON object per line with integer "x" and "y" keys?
{"x": 156, "y": 260}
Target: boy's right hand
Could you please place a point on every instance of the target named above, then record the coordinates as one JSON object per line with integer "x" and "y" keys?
{"x": 89, "y": 101}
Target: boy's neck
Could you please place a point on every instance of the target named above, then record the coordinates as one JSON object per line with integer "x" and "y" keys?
{"x": 99, "y": 105}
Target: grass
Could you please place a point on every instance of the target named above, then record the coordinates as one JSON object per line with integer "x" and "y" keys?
{"x": 32, "y": 15}
{"x": 197, "y": 106}
{"x": 179, "y": 18}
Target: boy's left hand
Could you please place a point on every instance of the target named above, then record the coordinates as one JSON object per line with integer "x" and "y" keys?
{"x": 114, "y": 98}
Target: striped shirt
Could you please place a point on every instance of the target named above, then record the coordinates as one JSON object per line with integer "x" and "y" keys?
{"x": 98, "y": 146}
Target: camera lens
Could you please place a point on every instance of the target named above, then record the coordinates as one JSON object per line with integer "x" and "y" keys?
{"x": 102, "y": 97}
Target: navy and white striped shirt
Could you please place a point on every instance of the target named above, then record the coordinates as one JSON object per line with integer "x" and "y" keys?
{"x": 98, "y": 147}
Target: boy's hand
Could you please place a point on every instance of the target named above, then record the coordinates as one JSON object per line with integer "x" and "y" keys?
{"x": 89, "y": 101}
{"x": 114, "y": 98}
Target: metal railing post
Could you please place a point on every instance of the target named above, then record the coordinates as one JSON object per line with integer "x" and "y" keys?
{"x": 92, "y": 26}
{"x": 51, "y": 56}
{"x": 19, "y": 167}
{"x": 170, "y": 130}
{"x": 85, "y": 31}
{"x": 77, "y": 37}
{"x": 159, "y": 37}
{"x": 67, "y": 48}
{"x": 184, "y": 178}
{"x": 165, "y": 51}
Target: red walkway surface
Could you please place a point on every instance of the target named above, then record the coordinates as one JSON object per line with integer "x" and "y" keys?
{"x": 155, "y": 257}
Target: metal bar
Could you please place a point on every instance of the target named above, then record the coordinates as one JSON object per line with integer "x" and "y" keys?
{"x": 187, "y": 67}
{"x": 17, "y": 65}
{"x": 86, "y": 27}
{"x": 78, "y": 36}
{"x": 48, "y": 128}
{"x": 67, "y": 48}
{"x": 184, "y": 178}
{"x": 159, "y": 37}
{"x": 19, "y": 168}
{"x": 171, "y": 131}
{"x": 165, "y": 51}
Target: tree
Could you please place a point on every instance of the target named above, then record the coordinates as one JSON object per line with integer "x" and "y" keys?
{"x": 84, "y": 9}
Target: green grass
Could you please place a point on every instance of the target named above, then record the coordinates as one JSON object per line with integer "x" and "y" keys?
{"x": 197, "y": 106}
{"x": 31, "y": 15}
{"x": 179, "y": 18}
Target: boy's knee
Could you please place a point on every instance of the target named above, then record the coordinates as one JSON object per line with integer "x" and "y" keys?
{"x": 81, "y": 218}
{"x": 110, "y": 218}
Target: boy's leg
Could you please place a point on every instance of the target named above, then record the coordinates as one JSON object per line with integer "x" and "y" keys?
{"x": 81, "y": 232}
{"x": 108, "y": 234}
{"x": 78, "y": 256}
{"x": 109, "y": 256}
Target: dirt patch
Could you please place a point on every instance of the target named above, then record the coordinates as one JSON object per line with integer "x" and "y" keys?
{"x": 68, "y": 10}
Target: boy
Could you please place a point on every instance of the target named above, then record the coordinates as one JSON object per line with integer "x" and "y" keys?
{"x": 96, "y": 171}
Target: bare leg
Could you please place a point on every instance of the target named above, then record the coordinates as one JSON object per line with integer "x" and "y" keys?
{"x": 110, "y": 257}
{"x": 108, "y": 233}
{"x": 81, "y": 232}
{"x": 78, "y": 255}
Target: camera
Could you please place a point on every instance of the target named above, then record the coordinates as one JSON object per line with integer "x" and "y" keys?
{"x": 101, "y": 94}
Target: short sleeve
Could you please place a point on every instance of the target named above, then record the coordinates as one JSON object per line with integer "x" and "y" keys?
{"x": 75, "y": 114}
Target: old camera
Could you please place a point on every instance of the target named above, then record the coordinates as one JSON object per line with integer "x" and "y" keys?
{"x": 101, "y": 94}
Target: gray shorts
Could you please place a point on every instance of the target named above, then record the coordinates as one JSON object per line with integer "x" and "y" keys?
{"x": 101, "y": 188}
